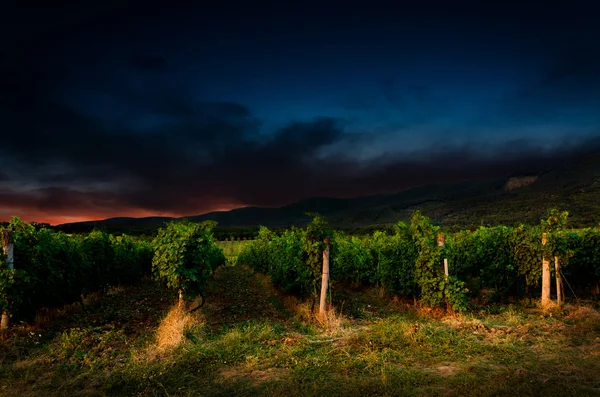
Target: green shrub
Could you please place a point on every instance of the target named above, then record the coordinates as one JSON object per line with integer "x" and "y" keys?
{"x": 185, "y": 256}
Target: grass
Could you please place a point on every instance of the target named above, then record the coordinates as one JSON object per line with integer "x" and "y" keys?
{"x": 250, "y": 340}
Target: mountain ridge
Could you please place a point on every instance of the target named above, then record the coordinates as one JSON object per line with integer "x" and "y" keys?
{"x": 573, "y": 185}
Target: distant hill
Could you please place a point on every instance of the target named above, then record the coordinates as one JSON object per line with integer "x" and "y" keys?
{"x": 573, "y": 185}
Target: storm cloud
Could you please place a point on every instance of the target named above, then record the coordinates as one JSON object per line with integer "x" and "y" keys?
{"x": 166, "y": 120}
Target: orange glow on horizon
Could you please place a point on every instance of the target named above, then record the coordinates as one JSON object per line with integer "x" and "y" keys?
{"x": 57, "y": 218}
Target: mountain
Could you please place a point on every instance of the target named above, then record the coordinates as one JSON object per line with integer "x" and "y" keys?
{"x": 572, "y": 185}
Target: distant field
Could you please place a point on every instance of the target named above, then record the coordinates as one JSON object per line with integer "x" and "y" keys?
{"x": 232, "y": 249}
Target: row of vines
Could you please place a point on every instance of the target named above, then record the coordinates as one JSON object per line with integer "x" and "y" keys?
{"x": 53, "y": 268}
{"x": 493, "y": 263}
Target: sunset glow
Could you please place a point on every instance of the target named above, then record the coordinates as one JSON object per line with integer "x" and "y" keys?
{"x": 219, "y": 107}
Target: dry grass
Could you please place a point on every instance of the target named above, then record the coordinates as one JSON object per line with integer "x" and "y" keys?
{"x": 170, "y": 332}
{"x": 332, "y": 321}
{"x": 582, "y": 313}
{"x": 300, "y": 309}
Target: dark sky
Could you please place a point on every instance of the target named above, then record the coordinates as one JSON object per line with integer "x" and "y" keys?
{"x": 121, "y": 108}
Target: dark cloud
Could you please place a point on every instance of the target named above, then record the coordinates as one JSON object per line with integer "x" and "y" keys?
{"x": 199, "y": 153}
{"x": 188, "y": 165}
{"x": 188, "y": 169}
{"x": 574, "y": 72}
{"x": 208, "y": 155}
{"x": 150, "y": 63}
{"x": 562, "y": 95}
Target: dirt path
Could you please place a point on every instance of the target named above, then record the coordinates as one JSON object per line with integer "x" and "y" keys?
{"x": 236, "y": 295}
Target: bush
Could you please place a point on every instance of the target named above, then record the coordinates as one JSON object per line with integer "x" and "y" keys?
{"x": 185, "y": 256}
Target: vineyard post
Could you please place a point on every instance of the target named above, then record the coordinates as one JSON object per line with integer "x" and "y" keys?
{"x": 8, "y": 250}
{"x": 545, "y": 276}
{"x": 324, "y": 279}
{"x": 180, "y": 300}
{"x": 559, "y": 297}
{"x": 441, "y": 240}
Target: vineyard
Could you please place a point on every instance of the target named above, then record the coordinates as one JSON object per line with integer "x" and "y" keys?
{"x": 396, "y": 329}
{"x": 54, "y": 269}
{"x": 490, "y": 264}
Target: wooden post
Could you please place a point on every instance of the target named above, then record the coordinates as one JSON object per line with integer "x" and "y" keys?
{"x": 559, "y": 297}
{"x": 180, "y": 302}
{"x": 441, "y": 241}
{"x": 324, "y": 279}
{"x": 8, "y": 247}
{"x": 545, "y": 277}
{"x": 8, "y": 250}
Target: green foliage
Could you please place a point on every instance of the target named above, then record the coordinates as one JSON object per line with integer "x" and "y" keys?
{"x": 554, "y": 226}
{"x": 293, "y": 259}
{"x": 456, "y": 293}
{"x": 353, "y": 260}
{"x": 526, "y": 251}
{"x": 288, "y": 267}
{"x": 583, "y": 258}
{"x": 256, "y": 253}
{"x": 316, "y": 236}
{"x": 502, "y": 260}
{"x": 395, "y": 256}
{"x": 186, "y": 255}
{"x": 483, "y": 259}
{"x": 52, "y": 268}
{"x": 132, "y": 257}
{"x": 434, "y": 288}
{"x": 10, "y": 297}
